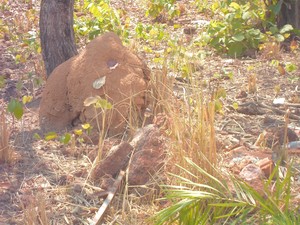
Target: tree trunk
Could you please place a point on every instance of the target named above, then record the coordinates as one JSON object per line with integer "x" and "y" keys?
{"x": 289, "y": 13}
{"x": 56, "y": 32}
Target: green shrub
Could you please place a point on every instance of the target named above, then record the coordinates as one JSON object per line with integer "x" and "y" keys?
{"x": 242, "y": 25}
{"x": 234, "y": 32}
{"x": 99, "y": 17}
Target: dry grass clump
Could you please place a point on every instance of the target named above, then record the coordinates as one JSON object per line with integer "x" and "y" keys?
{"x": 270, "y": 50}
{"x": 6, "y": 151}
{"x": 190, "y": 123}
{"x": 35, "y": 211}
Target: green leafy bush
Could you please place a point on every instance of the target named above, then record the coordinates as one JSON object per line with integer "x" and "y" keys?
{"x": 234, "y": 33}
{"x": 280, "y": 34}
{"x": 242, "y": 25}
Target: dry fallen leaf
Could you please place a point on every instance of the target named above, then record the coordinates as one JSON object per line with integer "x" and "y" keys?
{"x": 91, "y": 100}
{"x": 281, "y": 69}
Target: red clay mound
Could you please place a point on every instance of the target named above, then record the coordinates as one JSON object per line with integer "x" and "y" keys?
{"x": 126, "y": 83}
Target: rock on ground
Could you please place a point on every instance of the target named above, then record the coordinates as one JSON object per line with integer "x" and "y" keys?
{"x": 116, "y": 160}
{"x": 147, "y": 159}
{"x": 145, "y": 156}
{"x": 126, "y": 83}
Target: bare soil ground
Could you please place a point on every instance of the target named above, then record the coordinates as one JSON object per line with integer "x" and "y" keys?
{"x": 54, "y": 176}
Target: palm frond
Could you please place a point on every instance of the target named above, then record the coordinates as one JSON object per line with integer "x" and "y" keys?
{"x": 215, "y": 203}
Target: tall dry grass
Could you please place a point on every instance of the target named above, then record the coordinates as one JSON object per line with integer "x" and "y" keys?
{"x": 190, "y": 123}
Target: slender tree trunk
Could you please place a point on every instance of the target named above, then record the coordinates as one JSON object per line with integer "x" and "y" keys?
{"x": 289, "y": 13}
{"x": 56, "y": 32}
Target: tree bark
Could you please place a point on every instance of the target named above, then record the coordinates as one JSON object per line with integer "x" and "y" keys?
{"x": 289, "y": 13}
{"x": 56, "y": 32}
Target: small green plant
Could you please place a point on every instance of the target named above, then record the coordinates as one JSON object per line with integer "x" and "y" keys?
{"x": 27, "y": 35}
{"x": 151, "y": 33}
{"x": 220, "y": 93}
{"x": 104, "y": 106}
{"x": 67, "y": 137}
{"x": 15, "y": 107}
{"x": 183, "y": 59}
{"x": 164, "y": 8}
{"x": 31, "y": 40}
{"x": 35, "y": 80}
{"x": 290, "y": 67}
{"x": 203, "y": 5}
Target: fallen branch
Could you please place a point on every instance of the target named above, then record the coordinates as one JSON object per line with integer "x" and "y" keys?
{"x": 278, "y": 111}
{"x": 253, "y": 105}
{"x": 111, "y": 194}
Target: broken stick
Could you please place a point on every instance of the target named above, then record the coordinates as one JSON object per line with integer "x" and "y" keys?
{"x": 111, "y": 194}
